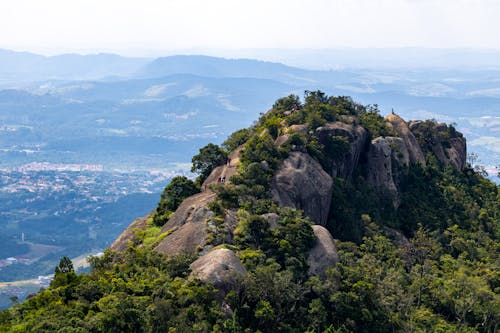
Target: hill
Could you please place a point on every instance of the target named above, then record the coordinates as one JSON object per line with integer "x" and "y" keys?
{"x": 321, "y": 217}
{"x": 25, "y": 66}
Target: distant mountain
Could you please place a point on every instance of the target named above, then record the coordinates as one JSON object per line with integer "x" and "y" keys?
{"x": 24, "y": 66}
{"x": 221, "y": 67}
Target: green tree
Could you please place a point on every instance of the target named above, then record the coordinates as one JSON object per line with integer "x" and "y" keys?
{"x": 237, "y": 139}
{"x": 65, "y": 266}
{"x": 253, "y": 231}
{"x": 174, "y": 193}
{"x": 208, "y": 158}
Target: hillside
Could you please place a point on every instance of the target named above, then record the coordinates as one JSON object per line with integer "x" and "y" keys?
{"x": 322, "y": 217}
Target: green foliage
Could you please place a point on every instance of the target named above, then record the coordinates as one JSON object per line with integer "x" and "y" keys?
{"x": 287, "y": 103}
{"x": 375, "y": 123}
{"x": 65, "y": 266}
{"x": 175, "y": 192}
{"x": 208, "y": 158}
{"x": 253, "y": 232}
{"x": 237, "y": 139}
{"x": 261, "y": 148}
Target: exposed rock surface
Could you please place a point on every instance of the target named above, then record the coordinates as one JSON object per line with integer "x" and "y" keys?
{"x": 302, "y": 183}
{"x": 187, "y": 227}
{"x": 379, "y": 166}
{"x": 356, "y": 136}
{"x": 280, "y": 140}
{"x": 324, "y": 253}
{"x": 221, "y": 267}
{"x": 403, "y": 131}
{"x": 449, "y": 151}
{"x": 457, "y": 153}
{"x": 121, "y": 243}
{"x": 387, "y": 160}
{"x": 224, "y": 171}
{"x": 301, "y": 128}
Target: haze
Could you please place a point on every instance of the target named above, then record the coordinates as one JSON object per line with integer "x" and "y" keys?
{"x": 153, "y": 27}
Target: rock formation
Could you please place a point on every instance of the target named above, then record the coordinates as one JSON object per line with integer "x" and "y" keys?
{"x": 448, "y": 150}
{"x": 356, "y": 137}
{"x": 221, "y": 267}
{"x": 399, "y": 126}
{"x": 186, "y": 229}
{"x": 324, "y": 253}
{"x": 387, "y": 160}
{"x": 302, "y": 183}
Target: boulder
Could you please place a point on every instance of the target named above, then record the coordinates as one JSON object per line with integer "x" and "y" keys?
{"x": 280, "y": 140}
{"x": 221, "y": 267}
{"x": 301, "y": 183}
{"x": 187, "y": 228}
{"x": 356, "y": 136}
{"x": 301, "y": 128}
{"x": 324, "y": 253}
{"x": 399, "y": 126}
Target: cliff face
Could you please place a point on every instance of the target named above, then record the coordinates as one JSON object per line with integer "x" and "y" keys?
{"x": 355, "y": 135}
{"x": 302, "y": 183}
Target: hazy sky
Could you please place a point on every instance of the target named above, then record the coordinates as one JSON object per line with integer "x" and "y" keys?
{"x": 125, "y": 26}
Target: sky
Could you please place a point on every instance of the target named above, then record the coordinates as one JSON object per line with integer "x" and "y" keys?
{"x": 151, "y": 26}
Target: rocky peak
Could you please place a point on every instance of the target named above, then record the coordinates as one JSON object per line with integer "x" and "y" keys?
{"x": 400, "y": 127}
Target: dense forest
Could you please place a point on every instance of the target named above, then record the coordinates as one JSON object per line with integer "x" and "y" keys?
{"x": 422, "y": 256}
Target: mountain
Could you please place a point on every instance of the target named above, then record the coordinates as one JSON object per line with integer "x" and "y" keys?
{"x": 217, "y": 67}
{"x": 24, "y": 66}
{"x": 323, "y": 216}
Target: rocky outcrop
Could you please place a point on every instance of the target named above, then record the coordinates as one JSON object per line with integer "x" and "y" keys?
{"x": 324, "y": 253}
{"x": 457, "y": 153}
{"x": 187, "y": 228}
{"x": 121, "y": 243}
{"x": 355, "y": 135}
{"x": 221, "y": 267}
{"x": 379, "y": 167}
{"x": 302, "y": 183}
{"x": 448, "y": 146}
{"x": 399, "y": 126}
{"x": 387, "y": 160}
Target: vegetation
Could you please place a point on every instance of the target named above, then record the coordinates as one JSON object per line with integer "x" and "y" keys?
{"x": 430, "y": 265}
{"x": 175, "y": 192}
{"x": 209, "y": 157}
